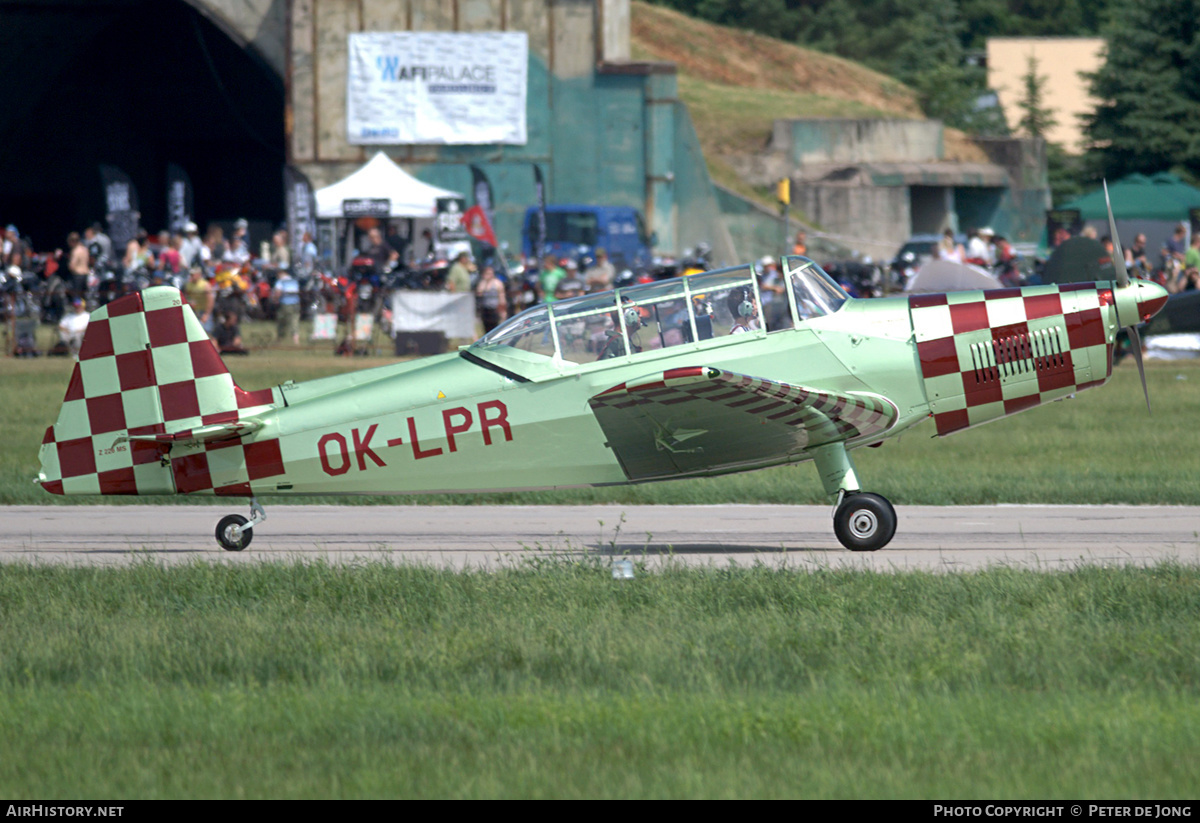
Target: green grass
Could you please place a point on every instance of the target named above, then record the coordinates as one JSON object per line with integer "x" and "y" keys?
{"x": 732, "y": 121}
{"x": 553, "y": 680}
{"x": 1100, "y": 447}
{"x": 737, "y": 119}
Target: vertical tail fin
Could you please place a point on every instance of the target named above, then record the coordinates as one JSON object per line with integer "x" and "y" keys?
{"x": 147, "y": 377}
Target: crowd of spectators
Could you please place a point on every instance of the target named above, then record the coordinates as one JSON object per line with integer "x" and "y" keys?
{"x": 1180, "y": 270}
{"x": 985, "y": 249}
{"x": 223, "y": 280}
{"x": 226, "y": 279}
{"x": 1176, "y": 266}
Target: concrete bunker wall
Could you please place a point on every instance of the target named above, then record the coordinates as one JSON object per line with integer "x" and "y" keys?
{"x": 602, "y": 129}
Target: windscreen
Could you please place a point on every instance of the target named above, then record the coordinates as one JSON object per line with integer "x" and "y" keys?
{"x": 637, "y": 319}
{"x": 575, "y": 227}
{"x": 815, "y": 292}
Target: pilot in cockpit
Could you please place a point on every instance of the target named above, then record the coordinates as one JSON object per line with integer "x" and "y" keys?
{"x": 614, "y": 345}
{"x": 740, "y": 303}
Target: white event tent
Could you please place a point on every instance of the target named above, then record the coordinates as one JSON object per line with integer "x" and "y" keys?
{"x": 381, "y": 179}
{"x": 379, "y": 189}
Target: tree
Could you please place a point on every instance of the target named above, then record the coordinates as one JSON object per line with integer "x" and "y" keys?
{"x": 833, "y": 27}
{"x": 1150, "y": 84}
{"x": 1062, "y": 169}
{"x": 771, "y": 17}
{"x": 1036, "y": 119}
{"x": 929, "y": 56}
{"x": 923, "y": 43}
{"x": 1065, "y": 173}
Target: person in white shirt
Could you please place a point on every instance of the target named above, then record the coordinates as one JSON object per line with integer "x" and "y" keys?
{"x": 72, "y": 326}
{"x": 601, "y": 275}
{"x": 979, "y": 249}
{"x": 948, "y": 249}
{"x": 238, "y": 250}
{"x": 190, "y": 250}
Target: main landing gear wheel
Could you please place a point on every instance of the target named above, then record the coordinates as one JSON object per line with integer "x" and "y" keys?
{"x": 864, "y": 522}
{"x": 231, "y": 535}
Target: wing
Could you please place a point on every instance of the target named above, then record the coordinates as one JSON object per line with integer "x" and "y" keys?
{"x": 701, "y": 420}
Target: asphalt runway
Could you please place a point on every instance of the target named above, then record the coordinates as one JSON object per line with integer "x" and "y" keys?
{"x": 928, "y": 537}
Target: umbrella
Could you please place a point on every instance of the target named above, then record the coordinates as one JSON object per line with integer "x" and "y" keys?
{"x": 939, "y": 276}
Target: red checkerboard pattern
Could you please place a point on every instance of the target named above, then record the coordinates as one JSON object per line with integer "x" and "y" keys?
{"x": 987, "y": 354}
{"x": 825, "y": 416}
{"x": 147, "y": 378}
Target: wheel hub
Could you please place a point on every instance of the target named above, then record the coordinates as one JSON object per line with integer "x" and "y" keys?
{"x": 863, "y": 524}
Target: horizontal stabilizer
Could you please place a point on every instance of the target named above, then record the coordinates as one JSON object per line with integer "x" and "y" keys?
{"x": 203, "y": 434}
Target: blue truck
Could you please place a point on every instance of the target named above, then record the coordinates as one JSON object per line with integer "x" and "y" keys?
{"x": 576, "y": 231}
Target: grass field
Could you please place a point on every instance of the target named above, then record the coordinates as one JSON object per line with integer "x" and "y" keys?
{"x": 1100, "y": 447}
{"x": 278, "y": 680}
{"x": 553, "y": 680}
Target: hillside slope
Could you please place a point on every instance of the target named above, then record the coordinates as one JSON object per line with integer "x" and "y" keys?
{"x": 737, "y": 83}
{"x": 732, "y": 57}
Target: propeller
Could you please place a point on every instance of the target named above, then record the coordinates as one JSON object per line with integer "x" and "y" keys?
{"x": 1118, "y": 260}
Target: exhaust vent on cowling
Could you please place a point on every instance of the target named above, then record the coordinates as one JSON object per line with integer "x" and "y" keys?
{"x": 1014, "y": 356}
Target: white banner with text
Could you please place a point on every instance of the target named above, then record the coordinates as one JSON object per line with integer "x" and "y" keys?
{"x": 445, "y": 88}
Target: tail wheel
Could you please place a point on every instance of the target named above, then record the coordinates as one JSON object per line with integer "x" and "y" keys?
{"x": 864, "y": 522}
{"x": 231, "y": 535}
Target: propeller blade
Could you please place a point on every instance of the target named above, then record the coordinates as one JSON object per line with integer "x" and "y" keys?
{"x": 1135, "y": 340}
{"x": 1118, "y": 255}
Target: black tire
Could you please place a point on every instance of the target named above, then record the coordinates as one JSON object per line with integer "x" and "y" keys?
{"x": 864, "y": 522}
{"x": 225, "y": 535}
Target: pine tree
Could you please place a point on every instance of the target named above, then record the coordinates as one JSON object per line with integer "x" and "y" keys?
{"x": 1036, "y": 119}
{"x": 927, "y": 54}
{"x": 1150, "y": 84}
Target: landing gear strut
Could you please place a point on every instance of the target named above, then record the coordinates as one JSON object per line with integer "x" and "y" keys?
{"x": 862, "y": 522}
{"x": 235, "y": 532}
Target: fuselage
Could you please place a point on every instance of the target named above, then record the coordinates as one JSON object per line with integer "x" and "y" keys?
{"x": 451, "y": 424}
{"x": 512, "y": 411}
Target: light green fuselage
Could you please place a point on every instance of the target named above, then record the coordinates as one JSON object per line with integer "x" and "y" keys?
{"x": 720, "y": 372}
{"x": 456, "y": 425}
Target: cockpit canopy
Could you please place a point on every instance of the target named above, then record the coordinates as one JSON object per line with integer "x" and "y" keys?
{"x": 653, "y": 316}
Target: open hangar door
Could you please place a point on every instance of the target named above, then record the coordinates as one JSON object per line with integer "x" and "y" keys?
{"x": 979, "y": 206}
{"x": 138, "y": 84}
{"x": 930, "y": 207}
{"x": 964, "y": 208}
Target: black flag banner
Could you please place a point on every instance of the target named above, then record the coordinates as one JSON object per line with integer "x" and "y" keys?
{"x": 301, "y": 209}
{"x": 179, "y": 198}
{"x": 539, "y": 190}
{"x": 121, "y": 206}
